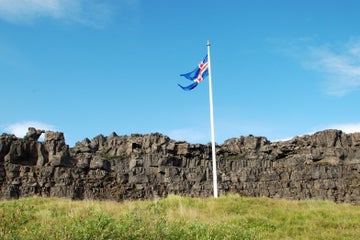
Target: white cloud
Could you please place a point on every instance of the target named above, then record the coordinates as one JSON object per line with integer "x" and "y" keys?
{"x": 18, "y": 10}
{"x": 340, "y": 66}
{"x": 189, "y": 135}
{"x": 347, "y": 128}
{"x": 20, "y": 129}
{"x": 81, "y": 11}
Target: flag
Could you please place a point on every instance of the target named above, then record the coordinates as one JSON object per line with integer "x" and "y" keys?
{"x": 197, "y": 75}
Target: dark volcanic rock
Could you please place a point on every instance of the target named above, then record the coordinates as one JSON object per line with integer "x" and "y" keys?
{"x": 33, "y": 134}
{"x": 325, "y": 165}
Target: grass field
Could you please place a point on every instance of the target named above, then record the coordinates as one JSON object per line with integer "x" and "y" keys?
{"x": 228, "y": 217}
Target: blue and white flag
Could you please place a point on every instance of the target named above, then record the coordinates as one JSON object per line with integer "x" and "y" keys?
{"x": 197, "y": 75}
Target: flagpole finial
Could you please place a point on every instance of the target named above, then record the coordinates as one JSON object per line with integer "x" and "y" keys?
{"x": 208, "y": 43}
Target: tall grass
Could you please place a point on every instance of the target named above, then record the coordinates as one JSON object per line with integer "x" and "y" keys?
{"x": 228, "y": 217}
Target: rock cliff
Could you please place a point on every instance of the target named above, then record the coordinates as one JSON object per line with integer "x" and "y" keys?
{"x": 325, "y": 165}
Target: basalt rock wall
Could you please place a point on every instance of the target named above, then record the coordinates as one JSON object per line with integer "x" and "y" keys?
{"x": 325, "y": 165}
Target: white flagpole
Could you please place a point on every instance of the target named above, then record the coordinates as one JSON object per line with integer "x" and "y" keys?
{"x": 212, "y": 125}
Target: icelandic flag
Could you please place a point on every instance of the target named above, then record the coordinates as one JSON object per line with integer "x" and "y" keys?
{"x": 197, "y": 75}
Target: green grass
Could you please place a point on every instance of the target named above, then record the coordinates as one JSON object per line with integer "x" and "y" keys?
{"x": 228, "y": 217}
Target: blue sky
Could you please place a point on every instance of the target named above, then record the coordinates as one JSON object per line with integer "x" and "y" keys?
{"x": 280, "y": 68}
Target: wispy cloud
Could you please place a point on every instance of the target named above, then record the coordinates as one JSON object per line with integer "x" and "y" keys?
{"x": 189, "y": 135}
{"x": 21, "y": 128}
{"x": 341, "y": 67}
{"x": 338, "y": 64}
{"x": 80, "y": 11}
{"x": 347, "y": 127}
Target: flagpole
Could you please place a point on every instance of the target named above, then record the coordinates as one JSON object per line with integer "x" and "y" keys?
{"x": 212, "y": 125}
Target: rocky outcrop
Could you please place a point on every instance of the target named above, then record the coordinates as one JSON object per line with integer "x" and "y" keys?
{"x": 325, "y": 165}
